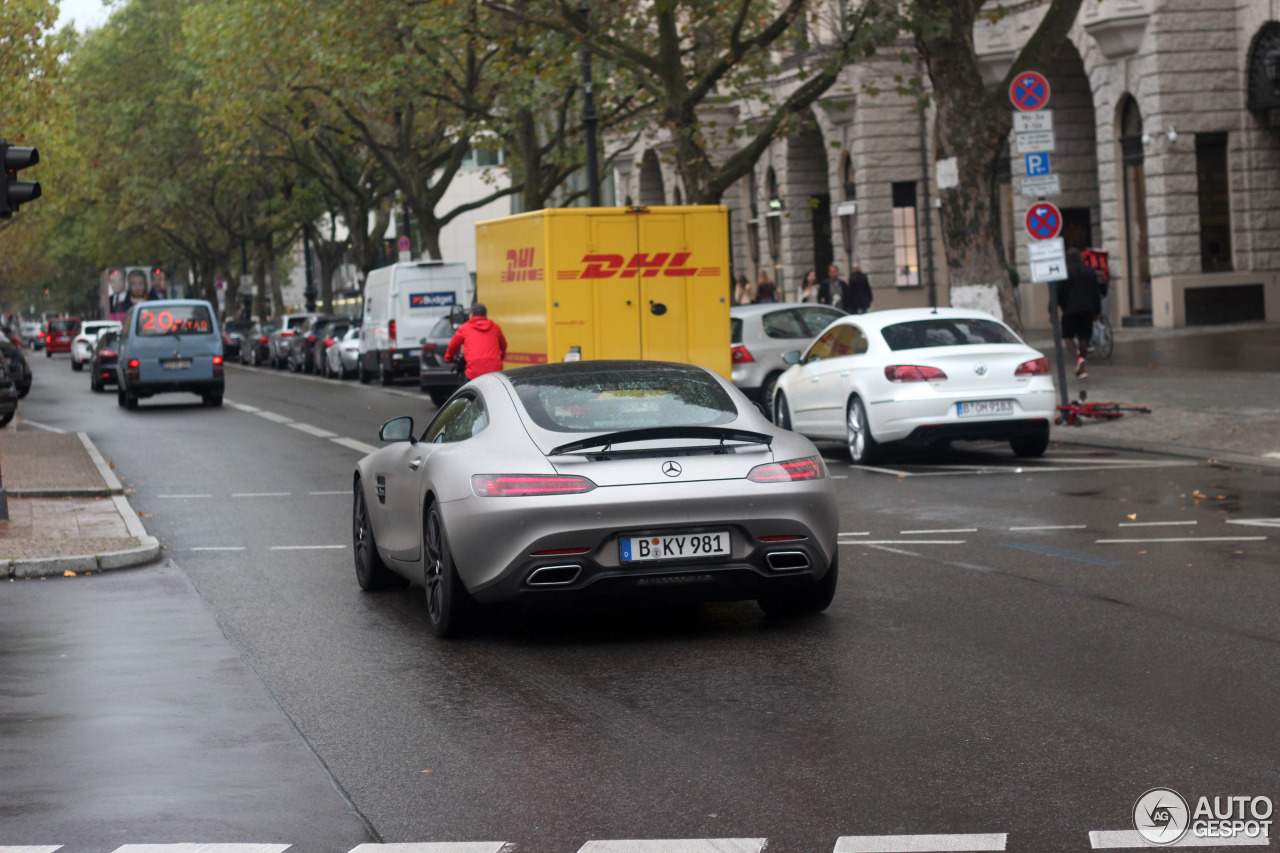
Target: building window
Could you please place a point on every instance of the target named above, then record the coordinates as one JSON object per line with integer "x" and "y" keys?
{"x": 773, "y": 219}
{"x": 906, "y": 237}
{"x": 482, "y": 158}
{"x": 1215, "y": 202}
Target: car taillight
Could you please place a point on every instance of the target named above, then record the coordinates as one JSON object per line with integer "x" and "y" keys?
{"x": 106, "y": 353}
{"x": 391, "y": 332}
{"x": 328, "y": 342}
{"x": 217, "y": 359}
{"x": 264, "y": 339}
{"x": 741, "y": 355}
{"x": 311, "y": 339}
{"x": 912, "y": 373}
{"x": 430, "y": 347}
{"x": 809, "y": 468}
{"x": 134, "y": 364}
{"x": 521, "y": 485}
{"x": 1035, "y": 367}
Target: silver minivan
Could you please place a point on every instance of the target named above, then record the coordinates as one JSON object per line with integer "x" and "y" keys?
{"x": 170, "y": 345}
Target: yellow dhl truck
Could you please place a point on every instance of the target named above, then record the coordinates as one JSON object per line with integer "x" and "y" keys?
{"x": 600, "y": 283}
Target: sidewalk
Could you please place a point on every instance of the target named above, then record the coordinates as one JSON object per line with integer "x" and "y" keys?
{"x": 1213, "y": 391}
{"x": 67, "y": 510}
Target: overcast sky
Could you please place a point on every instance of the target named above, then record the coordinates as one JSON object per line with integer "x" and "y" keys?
{"x": 85, "y": 14}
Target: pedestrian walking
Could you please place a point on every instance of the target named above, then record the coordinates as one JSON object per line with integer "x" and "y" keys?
{"x": 481, "y": 342}
{"x": 835, "y": 290}
{"x": 1080, "y": 299}
{"x": 742, "y": 293}
{"x": 809, "y": 288}
{"x": 766, "y": 290}
{"x": 859, "y": 292}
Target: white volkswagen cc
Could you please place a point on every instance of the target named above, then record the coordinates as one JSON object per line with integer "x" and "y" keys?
{"x": 919, "y": 376}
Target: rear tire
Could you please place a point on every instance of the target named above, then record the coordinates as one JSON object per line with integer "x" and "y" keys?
{"x": 448, "y": 603}
{"x": 120, "y": 401}
{"x": 5, "y": 418}
{"x": 770, "y": 385}
{"x": 371, "y": 573}
{"x": 384, "y": 374}
{"x": 212, "y": 400}
{"x": 863, "y": 448}
{"x": 95, "y": 384}
{"x": 1030, "y": 446}
{"x": 361, "y": 373}
{"x": 130, "y": 400}
{"x": 806, "y": 600}
{"x": 77, "y": 366}
{"x": 781, "y": 412}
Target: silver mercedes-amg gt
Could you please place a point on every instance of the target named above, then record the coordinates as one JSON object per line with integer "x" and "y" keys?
{"x": 596, "y": 478}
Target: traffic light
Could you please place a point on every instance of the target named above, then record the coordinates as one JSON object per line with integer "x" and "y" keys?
{"x": 14, "y": 192}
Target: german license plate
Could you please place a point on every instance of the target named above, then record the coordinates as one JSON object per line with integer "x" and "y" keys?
{"x": 980, "y": 408}
{"x": 175, "y": 363}
{"x": 681, "y": 546}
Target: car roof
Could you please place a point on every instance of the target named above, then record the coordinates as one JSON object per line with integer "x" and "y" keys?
{"x": 880, "y": 319}
{"x": 757, "y": 308}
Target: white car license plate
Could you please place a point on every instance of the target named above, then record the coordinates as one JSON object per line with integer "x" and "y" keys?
{"x": 176, "y": 363}
{"x": 980, "y": 408}
{"x": 680, "y": 546}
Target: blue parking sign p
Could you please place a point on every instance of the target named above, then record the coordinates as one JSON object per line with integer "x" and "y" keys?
{"x": 1037, "y": 164}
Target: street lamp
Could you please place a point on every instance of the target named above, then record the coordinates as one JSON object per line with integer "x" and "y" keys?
{"x": 589, "y": 119}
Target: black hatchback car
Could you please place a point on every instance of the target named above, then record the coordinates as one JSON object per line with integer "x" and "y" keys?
{"x": 301, "y": 355}
{"x": 16, "y": 360}
{"x": 103, "y": 360}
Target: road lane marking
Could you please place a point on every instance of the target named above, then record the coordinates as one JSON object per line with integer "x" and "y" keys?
{"x": 354, "y": 445}
{"x": 183, "y": 497}
{"x": 262, "y": 494}
{"x": 1125, "y": 838}
{"x": 912, "y": 541}
{"x": 38, "y": 425}
{"x": 1052, "y": 527}
{"x": 202, "y": 848}
{"x": 306, "y": 547}
{"x": 272, "y": 416}
{"x": 1255, "y": 522}
{"x": 244, "y": 407}
{"x": 1063, "y": 553}
{"x": 218, "y": 548}
{"x": 935, "y": 532}
{"x": 676, "y": 845}
{"x": 1155, "y": 523}
{"x": 49, "y": 848}
{"x": 858, "y": 533}
{"x": 434, "y": 847}
{"x": 313, "y": 430}
{"x": 1184, "y": 539}
{"x": 953, "y": 843}
{"x": 339, "y": 492}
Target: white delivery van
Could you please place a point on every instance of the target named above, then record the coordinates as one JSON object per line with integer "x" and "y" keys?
{"x": 402, "y": 303}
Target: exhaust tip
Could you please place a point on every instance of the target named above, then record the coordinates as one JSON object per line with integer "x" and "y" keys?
{"x": 553, "y": 576}
{"x": 786, "y": 561}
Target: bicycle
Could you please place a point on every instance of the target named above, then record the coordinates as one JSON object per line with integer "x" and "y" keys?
{"x": 1072, "y": 413}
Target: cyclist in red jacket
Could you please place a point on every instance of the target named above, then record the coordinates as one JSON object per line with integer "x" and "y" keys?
{"x": 485, "y": 345}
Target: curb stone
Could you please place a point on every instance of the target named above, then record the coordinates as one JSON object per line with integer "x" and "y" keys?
{"x": 1168, "y": 448}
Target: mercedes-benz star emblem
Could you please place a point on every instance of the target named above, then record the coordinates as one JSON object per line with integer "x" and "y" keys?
{"x": 980, "y": 369}
{"x": 671, "y": 469}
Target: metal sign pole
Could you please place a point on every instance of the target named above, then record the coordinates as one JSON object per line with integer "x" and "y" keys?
{"x": 1057, "y": 342}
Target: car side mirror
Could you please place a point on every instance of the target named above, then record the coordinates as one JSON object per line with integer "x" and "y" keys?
{"x": 792, "y": 356}
{"x": 397, "y": 429}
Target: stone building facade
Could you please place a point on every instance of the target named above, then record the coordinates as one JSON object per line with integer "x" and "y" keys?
{"x": 1167, "y": 125}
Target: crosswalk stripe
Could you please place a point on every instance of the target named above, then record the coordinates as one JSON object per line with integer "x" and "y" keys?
{"x": 202, "y": 848}
{"x": 435, "y": 847}
{"x": 1121, "y": 839}
{"x": 36, "y": 849}
{"x": 921, "y": 843}
{"x": 677, "y": 845}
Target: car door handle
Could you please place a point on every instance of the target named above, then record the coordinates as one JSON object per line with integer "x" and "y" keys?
{"x": 415, "y": 464}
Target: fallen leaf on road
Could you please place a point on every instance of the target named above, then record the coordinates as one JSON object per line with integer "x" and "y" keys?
{"x": 1132, "y": 516}
{"x": 1197, "y": 495}
{"x": 68, "y": 574}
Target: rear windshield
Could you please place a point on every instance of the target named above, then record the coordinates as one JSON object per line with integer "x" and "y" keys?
{"x": 735, "y": 331}
{"x": 161, "y": 320}
{"x": 947, "y": 332}
{"x": 603, "y": 396}
{"x": 64, "y": 325}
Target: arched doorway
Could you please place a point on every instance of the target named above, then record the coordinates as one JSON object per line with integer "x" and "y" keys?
{"x": 1137, "y": 247}
{"x": 808, "y": 230}
{"x": 652, "y": 189}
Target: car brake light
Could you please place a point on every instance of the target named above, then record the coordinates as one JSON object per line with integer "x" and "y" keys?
{"x": 430, "y": 347}
{"x": 809, "y": 468}
{"x": 912, "y": 373}
{"x": 391, "y": 332}
{"x": 264, "y": 339}
{"x": 520, "y": 485}
{"x": 217, "y": 359}
{"x": 1035, "y": 367}
{"x": 106, "y": 353}
{"x": 328, "y": 342}
{"x": 741, "y": 355}
{"x": 134, "y": 364}
{"x": 311, "y": 339}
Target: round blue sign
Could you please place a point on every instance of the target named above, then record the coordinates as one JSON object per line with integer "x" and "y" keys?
{"x": 1029, "y": 91}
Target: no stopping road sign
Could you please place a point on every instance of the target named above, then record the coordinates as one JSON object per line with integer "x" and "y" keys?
{"x": 1044, "y": 221}
{"x": 1029, "y": 91}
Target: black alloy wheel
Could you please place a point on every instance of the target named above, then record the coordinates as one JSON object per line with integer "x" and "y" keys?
{"x": 781, "y": 413}
{"x": 448, "y": 603}
{"x": 371, "y": 573}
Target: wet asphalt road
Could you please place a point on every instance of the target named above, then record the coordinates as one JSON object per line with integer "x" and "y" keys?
{"x": 994, "y": 661}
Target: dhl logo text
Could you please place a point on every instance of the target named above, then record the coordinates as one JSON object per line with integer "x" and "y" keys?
{"x": 520, "y": 266}
{"x": 641, "y": 265}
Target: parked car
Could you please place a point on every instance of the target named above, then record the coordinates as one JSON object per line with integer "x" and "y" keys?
{"x": 82, "y": 343}
{"x": 102, "y": 364}
{"x": 233, "y": 334}
{"x": 32, "y": 332}
{"x": 300, "y": 351}
{"x": 402, "y": 302}
{"x": 278, "y": 341}
{"x": 761, "y": 334}
{"x": 19, "y": 367}
{"x": 170, "y": 345}
{"x": 8, "y": 395}
{"x": 436, "y": 376}
{"x": 336, "y": 328}
{"x": 918, "y": 376}
{"x": 59, "y": 333}
{"x": 624, "y": 479}
{"x": 255, "y": 349}
{"x": 343, "y": 354}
